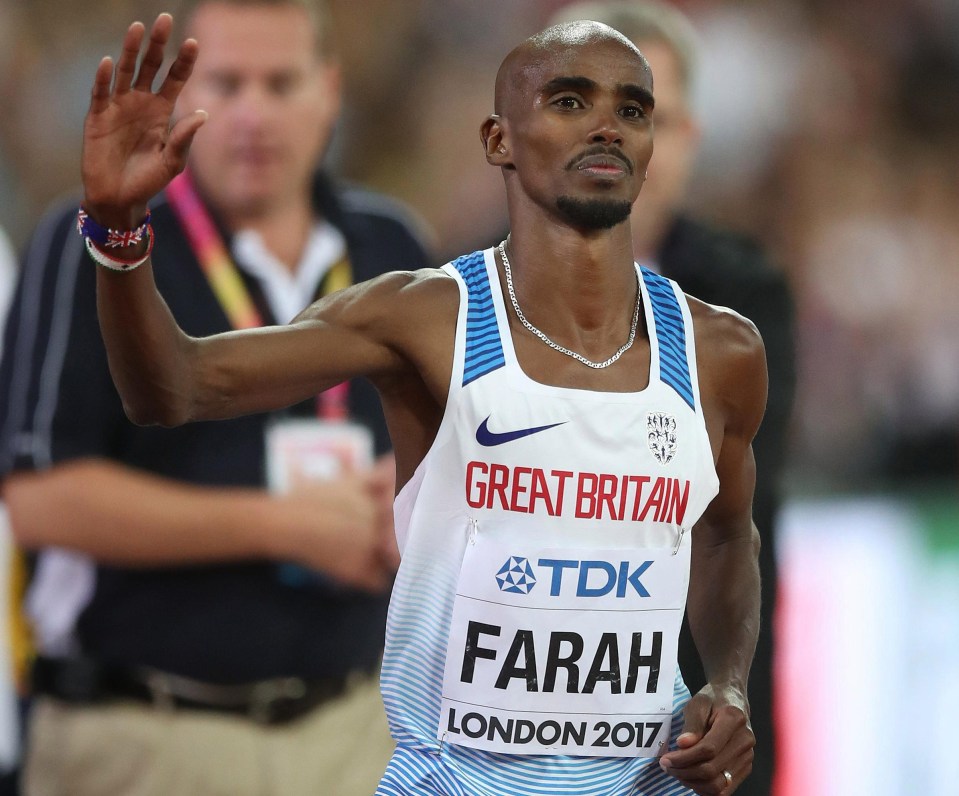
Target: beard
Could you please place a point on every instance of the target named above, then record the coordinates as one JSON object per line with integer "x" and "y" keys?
{"x": 592, "y": 215}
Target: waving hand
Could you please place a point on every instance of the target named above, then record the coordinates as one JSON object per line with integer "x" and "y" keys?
{"x": 130, "y": 150}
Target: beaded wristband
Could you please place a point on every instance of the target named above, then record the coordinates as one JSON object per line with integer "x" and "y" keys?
{"x": 110, "y": 238}
{"x": 116, "y": 263}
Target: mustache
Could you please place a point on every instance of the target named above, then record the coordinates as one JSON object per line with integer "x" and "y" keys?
{"x": 603, "y": 151}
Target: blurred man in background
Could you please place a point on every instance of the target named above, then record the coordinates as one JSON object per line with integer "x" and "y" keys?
{"x": 197, "y": 631}
{"x": 719, "y": 268}
{"x": 9, "y": 729}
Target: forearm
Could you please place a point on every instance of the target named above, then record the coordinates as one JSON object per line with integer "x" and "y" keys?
{"x": 150, "y": 357}
{"x": 127, "y": 518}
{"x": 723, "y": 606}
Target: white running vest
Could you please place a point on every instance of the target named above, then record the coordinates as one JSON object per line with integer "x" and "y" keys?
{"x": 532, "y": 635}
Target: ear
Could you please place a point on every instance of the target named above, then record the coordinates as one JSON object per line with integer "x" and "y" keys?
{"x": 330, "y": 86}
{"x": 493, "y": 136}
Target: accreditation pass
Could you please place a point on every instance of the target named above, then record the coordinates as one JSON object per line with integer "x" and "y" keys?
{"x": 563, "y": 651}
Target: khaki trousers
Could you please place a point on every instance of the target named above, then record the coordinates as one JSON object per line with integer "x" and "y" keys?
{"x": 128, "y": 749}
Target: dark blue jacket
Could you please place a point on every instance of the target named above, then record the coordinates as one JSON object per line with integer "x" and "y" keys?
{"x": 223, "y": 623}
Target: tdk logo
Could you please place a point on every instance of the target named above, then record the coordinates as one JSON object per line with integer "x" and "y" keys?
{"x": 516, "y": 576}
{"x": 590, "y": 578}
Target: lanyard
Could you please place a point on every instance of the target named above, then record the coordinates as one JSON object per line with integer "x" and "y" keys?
{"x": 227, "y": 285}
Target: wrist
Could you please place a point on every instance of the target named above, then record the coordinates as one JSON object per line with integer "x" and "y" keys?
{"x": 734, "y": 687}
{"x": 274, "y": 533}
{"x": 116, "y": 249}
{"x": 114, "y": 217}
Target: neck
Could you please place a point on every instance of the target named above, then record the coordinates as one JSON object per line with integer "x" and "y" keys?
{"x": 553, "y": 253}
{"x": 284, "y": 230}
{"x": 585, "y": 282}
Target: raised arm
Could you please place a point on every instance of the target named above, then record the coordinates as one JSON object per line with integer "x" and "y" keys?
{"x": 723, "y": 602}
{"x": 130, "y": 153}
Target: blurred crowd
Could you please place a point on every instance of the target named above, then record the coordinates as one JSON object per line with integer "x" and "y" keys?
{"x": 831, "y": 134}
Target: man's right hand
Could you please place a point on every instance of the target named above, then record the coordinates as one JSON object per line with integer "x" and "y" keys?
{"x": 130, "y": 151}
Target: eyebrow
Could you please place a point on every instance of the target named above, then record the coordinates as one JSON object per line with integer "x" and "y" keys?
{"x": 569, "y": 83}
{"x": 584, "y": 84}
{"x": 642, "y": 95}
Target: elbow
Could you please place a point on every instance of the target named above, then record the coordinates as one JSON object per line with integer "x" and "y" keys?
{"x": 141, "y": 415}
{"x": 23, "y": 530}
{"x": 756, "y": 540}
{"x": 155, "y": 410}
{"x": 25, "y": 514}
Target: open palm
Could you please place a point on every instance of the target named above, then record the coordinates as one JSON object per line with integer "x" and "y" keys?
{"x": 130, "y": 151}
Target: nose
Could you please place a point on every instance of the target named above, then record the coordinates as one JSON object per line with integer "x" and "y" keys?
{"x": 607, "y": 130}
{"x": 250, "y": 107}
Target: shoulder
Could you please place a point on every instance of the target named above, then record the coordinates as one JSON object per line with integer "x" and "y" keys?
{"x": 723, "y": 328}
{"x": 411, "y": 314}
{"x": 394, "y": 299}
{"x": 731, "y": 360}
{"x": 422, "y": 285}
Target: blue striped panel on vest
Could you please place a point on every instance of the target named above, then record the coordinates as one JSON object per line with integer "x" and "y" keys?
{"x": 484, "y": 351}
{"x": 671, "y": 334}
{"x": 418, "y": 770}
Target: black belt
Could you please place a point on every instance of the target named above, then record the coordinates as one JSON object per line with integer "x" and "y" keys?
{"x": 275, "y": 701}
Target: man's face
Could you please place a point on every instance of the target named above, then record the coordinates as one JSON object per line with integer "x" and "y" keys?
{"x": 272, "y": 103}
{"x": 579, "y": 131}
{"x": 677, "y": 135}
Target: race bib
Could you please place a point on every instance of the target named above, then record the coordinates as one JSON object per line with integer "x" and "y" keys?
{"x": 563, "y": 651}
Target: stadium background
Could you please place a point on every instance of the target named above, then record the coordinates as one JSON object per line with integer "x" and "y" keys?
{"x": 832, "y": 135}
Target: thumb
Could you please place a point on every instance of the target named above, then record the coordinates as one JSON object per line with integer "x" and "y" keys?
{"x": 181, "y": 137}
{"x": 695, "y": 718}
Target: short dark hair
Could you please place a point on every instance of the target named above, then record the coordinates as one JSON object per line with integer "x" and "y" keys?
{"x": 644, "y": 20}
{"x": 317, "y": 10}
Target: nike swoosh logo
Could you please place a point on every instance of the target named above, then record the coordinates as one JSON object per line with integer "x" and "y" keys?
{"x": 489, "y": 438}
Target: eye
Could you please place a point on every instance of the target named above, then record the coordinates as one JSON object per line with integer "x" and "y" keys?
{"x": 284, "y": 83}
{"x": 568, "y": 103}
{"x": 223, "y": 85}
{"x": 633, "y": 112}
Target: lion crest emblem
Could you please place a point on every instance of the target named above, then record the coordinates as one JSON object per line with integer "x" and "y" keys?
{"x": 661, "y": 436}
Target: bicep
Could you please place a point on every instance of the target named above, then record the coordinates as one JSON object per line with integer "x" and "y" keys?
{"x": 742, "y": 393}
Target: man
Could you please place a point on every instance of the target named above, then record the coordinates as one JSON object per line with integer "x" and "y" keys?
{"x": 198, "y": 632}
{"x": 553, "y": 461}
{"x": 719, "y": 268}
{"x": 9, "y": 718}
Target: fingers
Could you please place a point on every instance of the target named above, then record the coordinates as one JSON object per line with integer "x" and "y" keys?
{"x": 732, "y": 778}
{"x": 180, "y": 71}
{"x": 697, "y": 748}
{"x": 180, "y": 138}
{"x": 712, "y": 780}
{"x": 100, "y": 96}
{"x": 700, "y": 762}
{"x": 153, "y": 57}
{"x": 127, "y": 62}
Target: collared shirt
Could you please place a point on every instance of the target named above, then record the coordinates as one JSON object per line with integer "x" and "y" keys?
{"x": 227, "y": 622}
{"x": 289, "y": 292}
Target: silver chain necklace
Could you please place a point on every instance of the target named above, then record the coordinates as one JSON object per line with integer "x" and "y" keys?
{"x": 556, "y": 346}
